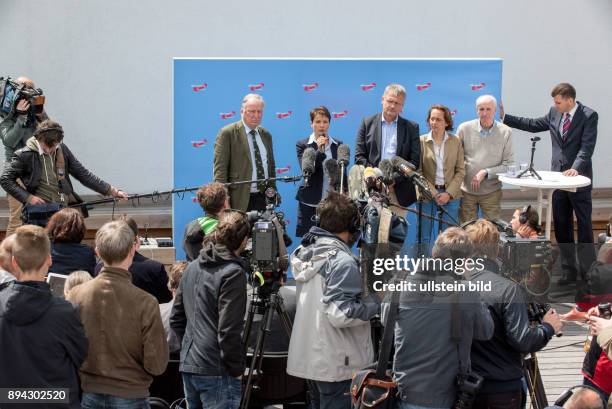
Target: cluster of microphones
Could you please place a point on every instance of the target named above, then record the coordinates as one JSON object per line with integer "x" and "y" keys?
{"x": 334, "y": 170}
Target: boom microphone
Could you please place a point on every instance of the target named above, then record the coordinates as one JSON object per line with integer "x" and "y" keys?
{"x": 344, "y": 157}
{"x": 409, "y": 170}
{"x": 386, "y": 167}
{"x": 332, "y": 170}
{"x": 308, "y": 164}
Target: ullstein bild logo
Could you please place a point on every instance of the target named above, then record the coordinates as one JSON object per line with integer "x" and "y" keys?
{"x": 199, "y": 143}
{"x": 310, "y": 87}
{"x": 227, "y": 115}
{"x": 256, "y": 87}
{"x": 283, "y": 115}
{"x": 478, "y": 87}
{"x": 423, "y": 87}
{"x": 199, "y": 87}
{"x": 368, "y": 87}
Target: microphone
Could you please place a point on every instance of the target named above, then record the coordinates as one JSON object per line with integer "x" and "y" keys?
{"x": 308, "y": 164}
{"x": 344, "y": 155}
{"x": 332, "y": 170}
{"x": 386, "y": 167}
{"x": 409, "y": 170}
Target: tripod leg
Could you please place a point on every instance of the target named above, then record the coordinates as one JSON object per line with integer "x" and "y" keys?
{"x": 535, "y": 385}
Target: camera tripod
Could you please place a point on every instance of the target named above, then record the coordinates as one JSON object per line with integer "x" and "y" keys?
{"x": 535, "y": 386}
{"x": 265, "y": 302}
{"x": 530, "y": 171}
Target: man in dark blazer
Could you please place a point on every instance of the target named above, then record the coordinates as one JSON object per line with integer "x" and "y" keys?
{"x": 573, "y": 132}
{"x": 385, "y": 135}
{"x": 243, "y": 151}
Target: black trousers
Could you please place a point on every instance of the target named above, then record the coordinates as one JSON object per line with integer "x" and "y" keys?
{"x": 504, "y": 400}
{"x": 565, "y": 205}
{"x": 257, "y": 201}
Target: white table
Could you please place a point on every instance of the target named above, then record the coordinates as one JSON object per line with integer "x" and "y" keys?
{"x": 550, "y": 182}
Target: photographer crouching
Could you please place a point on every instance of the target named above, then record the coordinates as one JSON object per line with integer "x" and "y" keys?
{"x": 499, "y": 360}
{"x": 208, "y": 316}
{"x": 44, "y": 167}
{"x": 331, "y": 333}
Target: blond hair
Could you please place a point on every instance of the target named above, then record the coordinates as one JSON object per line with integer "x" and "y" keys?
{"x": 114, "y": 241}
{"x": 6, "y": 253}
{"x": 31, "y": 248}
{"x": 485, "y": 237}
{"x": 74, "y": 279}
{"x": 452, "y": 243}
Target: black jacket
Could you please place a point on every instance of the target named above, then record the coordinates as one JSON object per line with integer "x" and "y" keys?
{"x": 499, "y": 359}
{"x": 42, "y": 341}
{"x": 208, "y": 313}
{"x": 576, "y": 149}
{"x": 69, "y": 257}
{"x": 369, "y": 145}
{"x": 26, "y": 165}
{"x": 148, "y": 275}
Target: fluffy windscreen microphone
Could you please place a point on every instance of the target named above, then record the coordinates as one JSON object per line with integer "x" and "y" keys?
{"x": 344, "y": 154}
{"x": 308, "y": 164}
{"x": 332, "y": 170}
{"x": 386, "y": 167}
{"x": 403, "y": 165}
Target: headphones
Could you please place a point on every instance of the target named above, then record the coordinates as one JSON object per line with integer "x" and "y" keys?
{"x": 44, "y": 129}
{"x": 354, "y": 226}
{"x": 564, "y": 397}
{"x": 523, "y": 217}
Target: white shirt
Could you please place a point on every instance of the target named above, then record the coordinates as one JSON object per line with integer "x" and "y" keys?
{"x": 388, "y": 141}
{"x": 439, "y": 154}
{"x": 571, "y": 116}
{"x": 262, "y": 152}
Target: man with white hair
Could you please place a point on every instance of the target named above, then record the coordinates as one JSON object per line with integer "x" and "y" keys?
{"x": 387, "y": 134}
{"x": 243, "y": 151}
{"x": 488, "y": 151}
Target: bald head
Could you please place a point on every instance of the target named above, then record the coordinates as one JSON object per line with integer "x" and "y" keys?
{"x": 27, "y": 81}
{"x": 6, "y": 253}
{"x": 584, "y": 398}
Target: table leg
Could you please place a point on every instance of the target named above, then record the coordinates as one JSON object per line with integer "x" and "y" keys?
{"x": 549, "y": 195}
{"x": 540, "y": 204}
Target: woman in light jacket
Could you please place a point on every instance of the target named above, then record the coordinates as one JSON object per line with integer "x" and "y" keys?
{"x": 442, "y": 164}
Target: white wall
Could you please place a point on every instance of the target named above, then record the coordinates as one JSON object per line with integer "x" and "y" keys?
{"x": 106, "y": 66}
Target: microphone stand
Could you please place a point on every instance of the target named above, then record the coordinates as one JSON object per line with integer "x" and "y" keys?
{"x": 341, "y": 176}
{"x": 530, "y": 171}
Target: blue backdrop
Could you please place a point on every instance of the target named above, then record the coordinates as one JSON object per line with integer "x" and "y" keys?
{"x": 208, "y": 93}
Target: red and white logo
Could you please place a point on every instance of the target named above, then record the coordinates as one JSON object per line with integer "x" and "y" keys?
{"x": 310, "y": 87}
{"x": 423, "y": 87}
{"x": 281, "y": 171}
{"x": 227, "y": 115}
{"x": 454, "y": 112}
{"x": 194, "y": 199}
{"x": 478, "y": 87}
{"x": 199, "y": 87}
{"x": 283, "y": 115}
{"x": 337, "y": 115}
{"x": 256, "y": 87}
{"x": 368, "y": 87}
{"x": 199, "y": 143}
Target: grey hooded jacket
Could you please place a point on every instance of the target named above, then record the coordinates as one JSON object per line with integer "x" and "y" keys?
{"x": 331, "y": 333}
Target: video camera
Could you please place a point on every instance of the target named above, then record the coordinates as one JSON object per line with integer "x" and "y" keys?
{"x": 12, "y": 92}
{"x": 267, "y": 254}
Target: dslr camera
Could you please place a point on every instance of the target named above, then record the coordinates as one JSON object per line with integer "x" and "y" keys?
{"x": 12, "y": 92}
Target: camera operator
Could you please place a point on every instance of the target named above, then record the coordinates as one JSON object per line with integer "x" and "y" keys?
{"x": 208, "y": 316}
{"x": 44, "y": 167}
{"x": 435, "y": 329}
{"x": 331, "y": 334}
{"x": 213, "y": 198}
{"x": 526, "y": 223}
{"x": 15, "y": 129}
{"x": 499, "y": 360}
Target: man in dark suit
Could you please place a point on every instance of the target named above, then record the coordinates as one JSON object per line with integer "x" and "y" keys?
{"x": 385, "y": 135}
{"x": 573, "y": 132}
{"x": 243, "y": 151}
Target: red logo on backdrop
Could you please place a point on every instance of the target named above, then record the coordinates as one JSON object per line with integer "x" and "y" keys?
{"x": 256, "y": 87}
{"x": 423, "y": 87}
{"x": 310, "y": 87}
{"x": 280, "y": 171}
{"x": 477, "y": 87}
{"x": 337, "y": 115}
{"x": 194, "y": 199}
{"x": 287, "y": 222}
{"x": 283, "y": 115}
{"x": 368, "y": 87}
{"x": 199, "y": 143}
{"x": 199, "y": 87}
{"x": 227, "y": 115}
{"x": 454, "y": 112}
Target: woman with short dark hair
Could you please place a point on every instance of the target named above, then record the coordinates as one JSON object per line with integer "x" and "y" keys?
{"x": 66, "y": 229}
